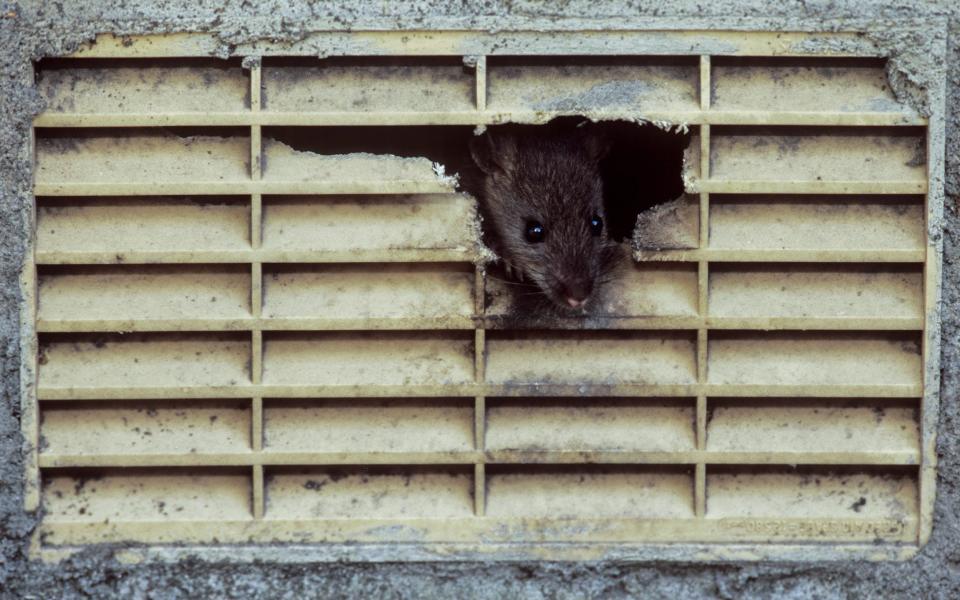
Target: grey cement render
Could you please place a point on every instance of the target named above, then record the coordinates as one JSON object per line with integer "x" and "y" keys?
{"x": 38, "y": 28}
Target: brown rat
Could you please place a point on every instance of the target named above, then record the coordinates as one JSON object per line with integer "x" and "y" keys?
{"x": 542, "y": 199}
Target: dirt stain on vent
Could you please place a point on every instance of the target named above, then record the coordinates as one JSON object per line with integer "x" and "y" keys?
{"x": 265, "y": 312}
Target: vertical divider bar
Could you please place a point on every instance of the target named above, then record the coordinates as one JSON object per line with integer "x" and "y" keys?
{"x": 256, "y": 164}
{"x": 700, "y": 472}
{"x": 256, "y": 221}
{"x": 256, "y": 169}
{"x": 29, "y": 361}
{"x": 932, "y": 282}
{"x": 479, "y": 489}
{"x": 704, "y": 152}
{"x": 700, "y": 490}
{"x": 703, "y": 291}
{"x": 256, "y": 289}
{"x": 256, "y": 304}
{"x": 480, "y": 401}
{"x": 705, "y": 100}
{"x": 705, "y": 82}
{"x": 258, "y": 492}
{"x": 699, "y": 487}
{"x": 481, "y": 86}
{"x": 704, "y": 232}
{"x": 29, "y": 365}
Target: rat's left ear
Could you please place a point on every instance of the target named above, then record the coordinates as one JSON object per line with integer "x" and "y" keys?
{"x": 494, "y": 153}
{"x": 596, "y": 145}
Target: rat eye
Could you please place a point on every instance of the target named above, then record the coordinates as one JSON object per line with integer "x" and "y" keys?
{"x": 534, "y": 232}
{"x": 596, "y": 225}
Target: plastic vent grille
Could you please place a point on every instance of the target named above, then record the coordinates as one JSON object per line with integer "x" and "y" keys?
{"x": 242, "y": 342}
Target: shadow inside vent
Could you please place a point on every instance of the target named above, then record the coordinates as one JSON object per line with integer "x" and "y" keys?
{"x": 643, "y": 168}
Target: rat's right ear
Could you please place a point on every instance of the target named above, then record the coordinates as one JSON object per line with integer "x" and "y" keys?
{"x": 494, "y": 154}
{"x": 595, "y": 143}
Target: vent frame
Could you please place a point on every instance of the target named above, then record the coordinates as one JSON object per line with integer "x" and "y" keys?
{"x": 706, "y": 44}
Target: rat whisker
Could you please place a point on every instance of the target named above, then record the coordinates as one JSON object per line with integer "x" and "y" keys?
{"x": 500, "y": 279}
{"x": 505, "y": 282}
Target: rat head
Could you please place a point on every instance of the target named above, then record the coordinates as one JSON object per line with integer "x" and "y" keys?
{"x": 543, "y": 199}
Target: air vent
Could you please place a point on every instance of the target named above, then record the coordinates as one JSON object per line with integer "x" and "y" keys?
{"x": 242, "y": 341}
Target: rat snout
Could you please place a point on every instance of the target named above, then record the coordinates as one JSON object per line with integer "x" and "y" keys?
{"x": 577, "y": 291}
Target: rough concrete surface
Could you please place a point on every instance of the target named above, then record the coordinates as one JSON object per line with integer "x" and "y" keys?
{"x": 30, "y": 30}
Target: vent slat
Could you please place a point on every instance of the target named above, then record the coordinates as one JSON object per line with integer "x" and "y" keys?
{"x": 144, "y": 294}
{"x": 343, "y": 226}
{"x": 454, "y": 322}
{"x": 154, "y": 164}
{"x": 114, "y": 361}
{"x": 103, "y": 162}
{"x": 375, "y": 493}
{"x": 387, "y": 426}
{"x": 166, "y": 496}
{"x": 810, "y": 186}
{"x": 219, "y": 188}
{"x": 578, "y": 493}
{"x": 659, "y": 530}
{"x": 813, "y": 494}
{"x": 812, "y": 85}
{"x": 359, "y": 119}
{"x": 799, "y": 359}
{"x": 96, "y": 89}
{"x": 819, "y": 226}
{"x": 447, "y": 256}
{"x": 64, "y": 393}
{"x": 370, "y": 292}
{"x": 611, "y": 427}
{"x": 590, "y": 358}
{"x": 367, "y": 85}
{"x": 792, "y": 159}
{"x": 111, "y": 227}
{"x": 467, "y": 458}
{"x": 782, "y": 255}
{"x": 816, "y": 292}
{"x": 805, "y": 425}
{"x": 143, "y": 429}
{"x": 591, "y": 84}
{"x": 357, "y": 359}
{"x": 250, "y": 458}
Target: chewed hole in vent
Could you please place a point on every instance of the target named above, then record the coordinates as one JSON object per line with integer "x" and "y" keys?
{"x": 642, "y": 169}
{"x": 264, "y": 312}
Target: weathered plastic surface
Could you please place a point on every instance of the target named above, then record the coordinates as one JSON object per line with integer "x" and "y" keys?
{"x": 592, "y": 84}
{"x": 388, "y": 425}
{"x": 590, "y": 425}
{"x": 244, "y": 342}
{"x": 584, "y": 492}
{"x": 368, "y": 85}
{"x": 412, "y": 493}
{"x": 792, "y": 84}
{"x": 817, "y": 223}
{"x": 102, "y": 87}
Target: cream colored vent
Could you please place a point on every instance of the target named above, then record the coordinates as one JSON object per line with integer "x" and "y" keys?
{"x": 242, "y": 342}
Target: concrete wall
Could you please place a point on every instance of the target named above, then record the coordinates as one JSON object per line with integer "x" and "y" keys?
{"x": 33, "y": 29}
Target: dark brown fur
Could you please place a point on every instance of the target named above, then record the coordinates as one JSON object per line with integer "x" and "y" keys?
{"x": 553, "y": 178}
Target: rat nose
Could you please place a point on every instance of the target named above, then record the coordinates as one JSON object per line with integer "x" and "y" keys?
{"x": 577, "y": 291}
